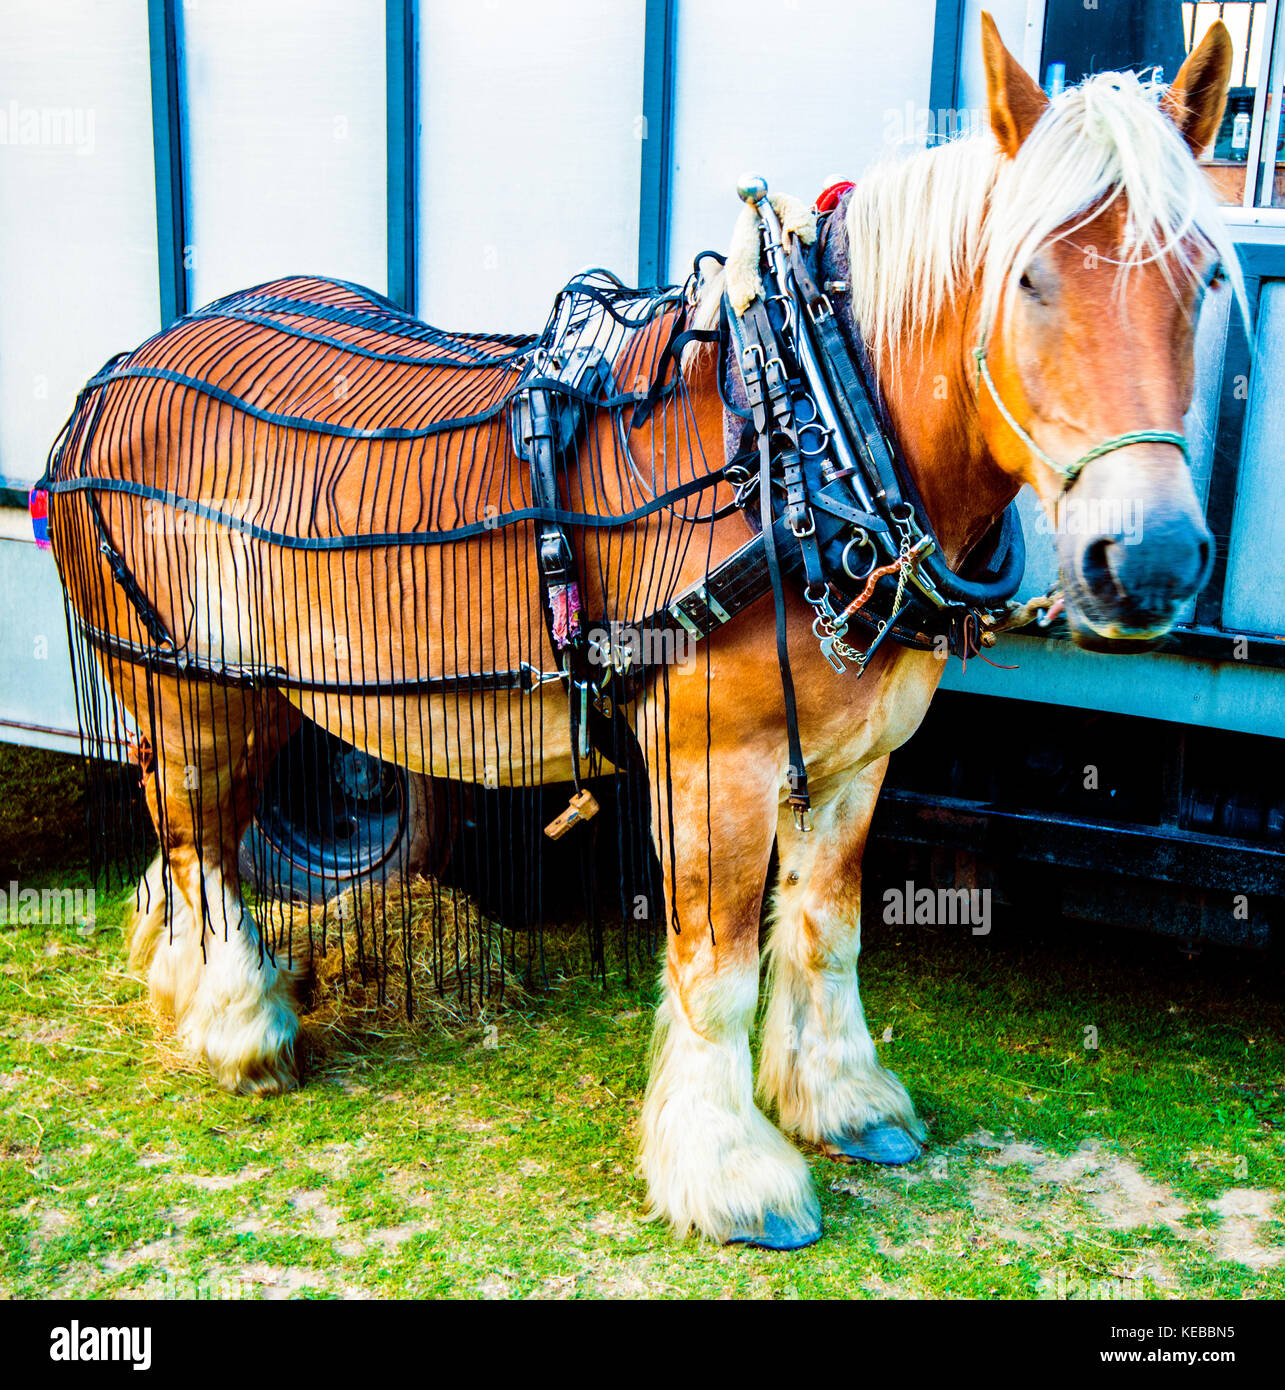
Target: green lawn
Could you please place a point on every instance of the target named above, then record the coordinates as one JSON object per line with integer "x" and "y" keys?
{"x": 446, "y": 1159}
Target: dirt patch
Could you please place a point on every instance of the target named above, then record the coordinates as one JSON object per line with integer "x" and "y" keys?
{"x": 410, "y": 1185}
{"x": 323, "y": 1220}
{"x": 160, "y": 1251}
{"x": 392, "y": 1236}
{"x": 276, "y": 1283}
{"x": 998, "y": 1209}
{"x": 1117, "y": 1190}
{"x": 1247, "y": 1214}
{"x": 50, "y": 1226}
{"x": 220, "y": 1182}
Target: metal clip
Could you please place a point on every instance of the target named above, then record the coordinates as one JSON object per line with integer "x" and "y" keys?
{"x": 584, "y": 718}
{"x": 833, "y": 657}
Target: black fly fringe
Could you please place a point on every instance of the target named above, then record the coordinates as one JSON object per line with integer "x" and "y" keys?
{"x": 309, "y": 547}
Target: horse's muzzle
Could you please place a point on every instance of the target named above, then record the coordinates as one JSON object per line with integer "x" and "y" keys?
{"x": 1125, "y": 589}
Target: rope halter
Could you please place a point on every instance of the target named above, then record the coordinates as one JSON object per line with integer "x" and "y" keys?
{"x": 1069, "y": 472}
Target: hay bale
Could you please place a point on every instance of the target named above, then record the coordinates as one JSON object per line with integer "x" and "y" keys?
{"x": 360, "y": 951}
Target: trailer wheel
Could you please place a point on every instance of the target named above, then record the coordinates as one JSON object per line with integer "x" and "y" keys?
{"x": 332, "y": 818}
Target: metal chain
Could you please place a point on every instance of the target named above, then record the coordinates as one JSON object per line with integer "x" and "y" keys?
{"x": 830, "y": 627}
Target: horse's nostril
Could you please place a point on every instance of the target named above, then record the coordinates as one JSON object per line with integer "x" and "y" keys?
{"x": 1098, "y": 568}
{"x": 1205, "y": 553}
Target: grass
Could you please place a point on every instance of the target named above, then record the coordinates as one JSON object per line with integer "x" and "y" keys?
{"x": 450, "y": 1159}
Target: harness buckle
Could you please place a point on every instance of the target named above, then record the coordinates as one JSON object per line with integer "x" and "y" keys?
{"x": 583, "y": 729}
{"x": 821, "y": 308}
{"x": 697, "y": 624}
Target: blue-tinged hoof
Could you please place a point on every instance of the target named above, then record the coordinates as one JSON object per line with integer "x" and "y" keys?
{"x": 780, "y": 1233}
{"x": 888, "y": 1144}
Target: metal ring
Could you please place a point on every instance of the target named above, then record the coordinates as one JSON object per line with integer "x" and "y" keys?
{"x": 807, "y": 593}
{"x": 859, "y": 541}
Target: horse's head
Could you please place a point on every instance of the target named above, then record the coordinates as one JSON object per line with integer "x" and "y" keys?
{"x": 1102, "y": 241}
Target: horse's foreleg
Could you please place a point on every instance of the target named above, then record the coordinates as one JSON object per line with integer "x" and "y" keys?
{"x": 818, "y": 1064}
{"x": 710, "y": 1158}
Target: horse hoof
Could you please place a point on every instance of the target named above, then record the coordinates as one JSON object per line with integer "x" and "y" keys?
{"x": 887, "y": 1144}
{"x": 780, "y": 1233}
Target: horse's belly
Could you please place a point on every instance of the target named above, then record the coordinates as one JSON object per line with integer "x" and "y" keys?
{"x": 495, "y": 740}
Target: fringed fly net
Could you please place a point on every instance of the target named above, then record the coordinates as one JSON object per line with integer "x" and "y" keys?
{"x": 300, "y": 533}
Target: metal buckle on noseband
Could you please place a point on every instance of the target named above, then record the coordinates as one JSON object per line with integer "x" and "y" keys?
{"x": 1070, "y": 472}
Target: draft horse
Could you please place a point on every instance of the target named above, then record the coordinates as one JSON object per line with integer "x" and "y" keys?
{"x": 1023, "y": 302}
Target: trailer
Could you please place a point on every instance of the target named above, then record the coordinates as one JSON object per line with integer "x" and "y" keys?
{"x": 158, "y": 155}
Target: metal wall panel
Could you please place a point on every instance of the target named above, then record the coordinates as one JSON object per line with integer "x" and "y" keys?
{"x": 78, "y": 274}
{"x": 37, "y": 697}
{"x": 530, "y": 153}
{"x": 1254, "y": 599}
{"x": 1218, "y": 695}
{"x": 1021, "y": 26}
{"x": 802, "y": 93}
{"x": 286, "y": 139}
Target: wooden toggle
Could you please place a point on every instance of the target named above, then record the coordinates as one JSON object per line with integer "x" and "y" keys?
{"x": 581, "y": 807}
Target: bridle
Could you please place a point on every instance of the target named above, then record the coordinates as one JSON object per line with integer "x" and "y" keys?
{"x": 1069, "y": 472}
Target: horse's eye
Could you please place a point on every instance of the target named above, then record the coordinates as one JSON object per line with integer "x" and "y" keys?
{"x": 1027, "y": 285}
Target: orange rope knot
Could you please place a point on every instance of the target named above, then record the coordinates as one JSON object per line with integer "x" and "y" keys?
{"x": 871, "y": 580}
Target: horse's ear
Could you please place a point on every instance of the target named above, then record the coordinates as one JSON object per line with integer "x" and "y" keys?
{"x": 1195, "y": 100}
{"x": 1013, "y": 95}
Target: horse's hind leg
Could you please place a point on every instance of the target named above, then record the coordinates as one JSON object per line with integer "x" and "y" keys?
{"x": 158, "y": 942}
{"x": 232, "y": 1003}
{"x": 710, "y": 1158}
{"x": 818, "y": 1064}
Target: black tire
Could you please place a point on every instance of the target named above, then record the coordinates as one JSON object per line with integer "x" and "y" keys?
{"x": 331, "y": 819}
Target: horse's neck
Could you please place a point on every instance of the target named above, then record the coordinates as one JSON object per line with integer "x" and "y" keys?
{"x": 933, "y": 407}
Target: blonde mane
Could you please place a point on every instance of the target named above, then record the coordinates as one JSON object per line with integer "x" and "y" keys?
{"x": 922, "y": 228}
